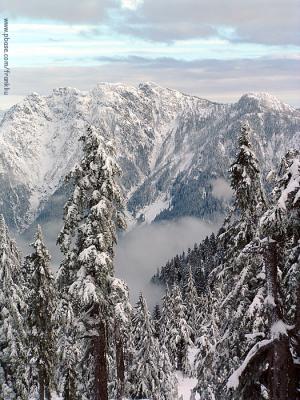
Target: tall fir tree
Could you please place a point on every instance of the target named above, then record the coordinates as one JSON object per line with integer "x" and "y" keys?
{"x": 119, "y": 337}
{"x": 237, "y": 283}
{"x": 249, "y": 343}
{"x": 69, "y": 350}
{"x": 274, "y": 360}
{"x": 151, "y": 371}
{"x": 13, "y": 337}
{"x": 176, "y": 333}
{"x": 191, "y": 302}
{"x": 240, "y": 225}
{"x": 250, "y": 199}
{"x": 91, "y": 219}
{"x": 157, "y": 320}
{"x": 40, "y": 319}
{"x": 165, "y": 322}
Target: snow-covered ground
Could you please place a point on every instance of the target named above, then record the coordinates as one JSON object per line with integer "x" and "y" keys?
{"x": 185, "y": 386}
{"x": 152, "y": 210}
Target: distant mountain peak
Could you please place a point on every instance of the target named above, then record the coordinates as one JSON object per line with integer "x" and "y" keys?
{"x": 267, "y": 101}
{"x": 171, "y": 146}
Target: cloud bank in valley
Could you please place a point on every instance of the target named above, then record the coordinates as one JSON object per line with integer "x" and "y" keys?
{"x": 148, "y": 247}
{"x": 139, "y": 252}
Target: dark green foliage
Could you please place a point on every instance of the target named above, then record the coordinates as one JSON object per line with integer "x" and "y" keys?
{"x": 201, "y": 259}
{"x": 13, "y": 308}
{"x": 42, "y": 300}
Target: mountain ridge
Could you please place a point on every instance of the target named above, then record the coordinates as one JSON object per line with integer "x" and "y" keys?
{"x": 171, "y": 146}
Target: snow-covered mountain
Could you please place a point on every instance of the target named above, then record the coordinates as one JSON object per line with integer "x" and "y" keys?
{"x": 173, "y": 148}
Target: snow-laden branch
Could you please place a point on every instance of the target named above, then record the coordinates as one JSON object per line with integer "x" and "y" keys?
{"x": 234, "y": 379}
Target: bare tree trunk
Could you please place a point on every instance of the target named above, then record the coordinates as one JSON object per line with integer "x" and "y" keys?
{"x": 69, "y": 387}
{"x": 66, "y": 392}
{"x": 280, "y": 357}
{"x": 180, "y": 355}
{"x": 47, "y": 389}
{"x": 271, "y": 257}
{"x": 101, "y": 372}
{"x": 41, "y": 384}
{"x": 297, "y": 315}
{"x": 120, "y": 360}
{"x": 295, "y": 374}
{"x": 281, "y": 364}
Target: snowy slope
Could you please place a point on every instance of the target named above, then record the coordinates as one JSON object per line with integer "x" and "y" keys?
{"x": 170, "y": 147}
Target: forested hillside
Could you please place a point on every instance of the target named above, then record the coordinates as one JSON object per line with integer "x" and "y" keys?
{"x": 234, "y": 300}
{"x": 248, "y": 281}
{"x": 173, "y": 148}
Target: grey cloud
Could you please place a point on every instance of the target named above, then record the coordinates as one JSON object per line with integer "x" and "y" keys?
{"x": 50, "y": 232}
{"x": 139, "y": 252}
{"x": 259, "y": 21}
{"x": 88, "y": 11}
{"x": 8, "y": 101}
{"x": 217, "y": 80}
{"x": 148, "y": 247}
{"x": 90, "y": 33}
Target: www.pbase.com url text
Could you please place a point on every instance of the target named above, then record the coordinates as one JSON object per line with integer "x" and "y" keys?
{"x": 6, "y": 69}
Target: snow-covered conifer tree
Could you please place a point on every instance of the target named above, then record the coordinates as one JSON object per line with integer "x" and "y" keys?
{"x": 167, "y": 377}
{"x": 252, "y": 342}
{"x": 157, "y": 320}
{"x": 13, "y": 338}
{"x": 119, "y": 337}
{"x": 40, "y": 319}
{"x": 191, "y": 302}
{"x": 175, "y": 330}
{"x": 150, "y": 374}
{"x": 69, "y": 350}
{"x": 250, "y": 199}
{"x": 208, "y": 336}
{"x": 91, "y": 219}
{"x": 180, "y": 335}
{"x": 237, "y": 283}
{"x": 276, "y": 355}
{"x": 166, "y": 319}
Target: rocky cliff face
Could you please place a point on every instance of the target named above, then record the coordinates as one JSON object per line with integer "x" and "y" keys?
{"x": 173, "y": 148}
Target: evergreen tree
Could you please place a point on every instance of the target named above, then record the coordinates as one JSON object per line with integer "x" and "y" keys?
{"x": 175, "y": 331}
{"x": 205, "y": 360}
{"x": 250, "y": 202}
{"x": 13, "y": 338}
{"x": 167, "y": 378}
{"x": 250, "y": 199}
{"x": 166, "y": 319}
{"x": 249, "y": 338}
{"x": 274, "y": 360}
{"x": 120, "y": 336}
{"x": 237, "y": 284}
{"x": 150, "y": 374}
{"x": 69, "y": 350}
{"x": 201, "y": 259}
{"x": 91, "y": 218}
{"x": 157, "y": 320}
{"x": 181, "y": 332}
{"x": 41, "y": 324}
{"x": 191, "y": 303}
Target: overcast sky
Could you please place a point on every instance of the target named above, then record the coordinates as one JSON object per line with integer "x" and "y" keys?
{"x": 215, "y": 49}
